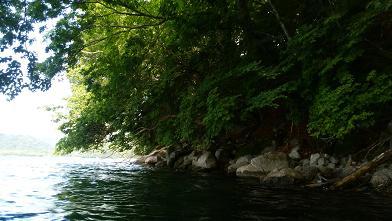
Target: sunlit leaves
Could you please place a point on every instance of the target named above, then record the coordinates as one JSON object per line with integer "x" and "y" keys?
{"x": 185, "y": 72}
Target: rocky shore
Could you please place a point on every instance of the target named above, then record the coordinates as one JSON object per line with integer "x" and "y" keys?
{"x": 274, "y": 168}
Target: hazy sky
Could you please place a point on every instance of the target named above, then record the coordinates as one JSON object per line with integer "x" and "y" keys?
{"x": 24, "y": 115}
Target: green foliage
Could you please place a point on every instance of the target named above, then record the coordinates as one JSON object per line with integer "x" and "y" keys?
{"x": 220, "y": 112}
{"x": 199, "y": 73}
{"x": 338, "y": 111}
{"x": 153, "y": 73}
{"x": 347, "y": 84}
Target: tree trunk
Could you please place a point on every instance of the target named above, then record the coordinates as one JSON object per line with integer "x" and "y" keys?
{"x": 380, "y": 159}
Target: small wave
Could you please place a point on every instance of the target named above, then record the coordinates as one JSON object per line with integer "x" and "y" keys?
{"x": 11, "y": 216}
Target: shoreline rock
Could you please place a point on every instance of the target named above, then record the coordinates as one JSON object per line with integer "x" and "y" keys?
{"x": 272, "y": 168}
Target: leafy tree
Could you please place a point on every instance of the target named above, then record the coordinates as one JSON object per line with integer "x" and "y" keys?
{"x": 208, "y": 73}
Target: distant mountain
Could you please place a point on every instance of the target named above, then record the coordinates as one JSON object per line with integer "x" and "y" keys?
{"x": 23, "y": 145}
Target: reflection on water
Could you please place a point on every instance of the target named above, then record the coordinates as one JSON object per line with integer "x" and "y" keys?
{"x": 95, "y": 189}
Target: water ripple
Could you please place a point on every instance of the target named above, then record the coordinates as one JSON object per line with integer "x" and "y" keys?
{"x": 94, "y": 189}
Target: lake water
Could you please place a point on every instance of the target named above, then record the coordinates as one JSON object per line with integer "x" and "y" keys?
{"x": 44, "y": 188}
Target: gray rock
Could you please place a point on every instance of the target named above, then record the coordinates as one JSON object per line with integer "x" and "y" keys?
{"x": 156, "y": 156}
{"x": 282, "y": 177}
{"x": 139, "y": 159}
{"x": 331, "y": 165}
{"x": 161, "y": 163}
{"x": 249, "y": 171}
{"x": 192, "y": 156}
{"x": 314, "y": 158}
{"x": 294, "y": 153}
{"x": 320, "y": 162}
{"x": 308, "y": 172}
{"x": 382, "y": 180}
{"x": 305, "y": 162}
{"x": 187, "y": 162}
{"x": 174, "y": 155}
{"x": 270, "y": 161}
{"x": 233, "y": 168}
{"x": 161, "y": 153}
{"x": 152, "y": 160}
{"x": 327, "y": 172}
{"x": 179, "y": 164}
{"x": 184, "y": 162}
{"x": 241, "y": 161}
{"x": 268, "y": 149}
{"x": 263, "y": 164}
{"x": 333, "y": 160}
{"x": 218, "y": 153}
{"x": 205, "y": 161}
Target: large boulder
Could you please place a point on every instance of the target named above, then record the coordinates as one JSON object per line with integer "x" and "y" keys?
{"x": 205, "y": 161}
{"x": 160, "y": 164}
{"x": 139, "y": 159}
{"x": 249, "y": 171}
{"x": 308, "y": 172}
{"x": 382, "y": 180}
{"x": 294, "y": 154}
{"x": 160, "y": 153}
{"x": 241, "y": 161}
{"x": 314, "y": 159}
{"x": 327, "y": 172}
{"x": 179, "y": 164}
{"x": 185, "y": 162}
{"x": 333, "y": 160}
{"x": 321, "y": 162}
{"x": 156, "y": 156}
{"x": 244, "y": 159}
{"x": 152, "y": 160}
{"x": 283, "y": 177}
{"x": 172, "y": 157}
{"x": 270, "y": 161}
{"x": 263, "y": 164}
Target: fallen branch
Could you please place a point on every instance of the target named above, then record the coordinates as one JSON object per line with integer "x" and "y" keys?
{"x": 321, "y": 184}
{"x": 380, "y": 159}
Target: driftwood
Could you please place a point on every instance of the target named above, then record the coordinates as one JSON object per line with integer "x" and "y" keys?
{"x": 322, "y": 184}
{"x": 380, "y": 159}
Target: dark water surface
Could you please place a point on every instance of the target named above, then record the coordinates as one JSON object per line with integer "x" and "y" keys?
{"x": 33, "y": 188}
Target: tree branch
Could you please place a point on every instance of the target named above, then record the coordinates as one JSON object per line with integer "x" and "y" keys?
{"x": 380, "y": 159}
{"x": 134, "y": 11}
{"x": 93, "y": 42}
{"x": 136, "y": 27}
{"x": 277, "y": 16}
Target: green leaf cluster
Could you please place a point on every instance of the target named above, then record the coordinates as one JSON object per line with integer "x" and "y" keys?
{"x": 208, "y": 73}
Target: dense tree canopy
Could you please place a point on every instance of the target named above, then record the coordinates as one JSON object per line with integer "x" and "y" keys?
{"x": 212, "y": 73}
